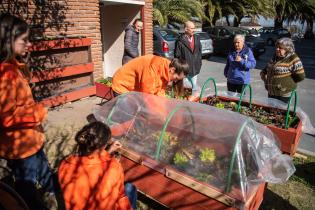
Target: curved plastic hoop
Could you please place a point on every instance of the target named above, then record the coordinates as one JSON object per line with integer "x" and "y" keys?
{"x": 238, "y": 139}
{"x": 204, "y": 85}
{"x": 168, "y": 119}
{"x": 288, "y": 108}
{"x": 241, "y": 97}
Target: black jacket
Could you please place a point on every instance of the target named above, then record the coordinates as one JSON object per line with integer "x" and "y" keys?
{"x": 131, "y": 42}
{"x": 193, "y": 58}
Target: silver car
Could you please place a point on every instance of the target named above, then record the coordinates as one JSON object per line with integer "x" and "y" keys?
{"x": 206, "y": 44}
{"x": 164, "y": 42}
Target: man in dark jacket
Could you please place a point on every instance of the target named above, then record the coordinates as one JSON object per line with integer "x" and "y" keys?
{"x": 188, "y": 47}
{"x": 131, "y": 41}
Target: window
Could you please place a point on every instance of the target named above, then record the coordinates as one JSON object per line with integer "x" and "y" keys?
{"x": 169, "y": 35}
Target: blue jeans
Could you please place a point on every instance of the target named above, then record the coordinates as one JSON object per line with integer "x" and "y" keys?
{"x": 131, "y": 193}
{"x": 30, "y": 171}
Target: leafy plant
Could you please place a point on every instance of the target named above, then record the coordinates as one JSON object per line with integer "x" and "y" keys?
{"x": 219, "y": 105}
{"x": 180, "y": 159}
{"x": 107, "y": 81}
{"x": 207, "y": 155}
{"x": 168, "y": 138}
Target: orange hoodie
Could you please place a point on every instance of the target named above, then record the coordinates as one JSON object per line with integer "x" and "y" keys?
{"x": 148, "y": 74}
{"x": 21, "y": 135}
{"x": 93, "y": 182}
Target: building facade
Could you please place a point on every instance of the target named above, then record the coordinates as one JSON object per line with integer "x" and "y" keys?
{"x": 103, "y": 21}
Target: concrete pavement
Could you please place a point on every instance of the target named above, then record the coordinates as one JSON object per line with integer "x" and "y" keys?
{"x": 214, "y": 67}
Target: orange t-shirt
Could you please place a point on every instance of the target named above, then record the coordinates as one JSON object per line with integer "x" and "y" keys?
{"x": 148, "y": 74}
{"x": 20, "y": 117}
{"x": 93, "y": 182}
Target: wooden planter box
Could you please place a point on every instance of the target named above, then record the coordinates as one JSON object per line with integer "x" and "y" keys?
{"x": 104, "y": 91}
{"x": 179, "y": 191}
{"x": 62, "y": 70}
{"x": 175, "y": 189}
{"x": 289, "y": 138}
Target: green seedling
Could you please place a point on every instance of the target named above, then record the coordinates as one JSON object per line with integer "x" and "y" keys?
{"x": 219, "y": 105}
{"x": 180, "y": 159}
{"x": 207, "y": 155}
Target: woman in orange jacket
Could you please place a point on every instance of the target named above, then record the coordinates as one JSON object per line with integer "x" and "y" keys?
{"x": 21, "y": 135}
{"x": 150, "y": 74}
{"x": 92, "y": 178}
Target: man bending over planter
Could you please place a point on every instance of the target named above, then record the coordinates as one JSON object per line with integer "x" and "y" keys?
{"x": 150, "y": 74}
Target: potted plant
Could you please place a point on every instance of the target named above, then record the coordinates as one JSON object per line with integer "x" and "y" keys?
{"x": 104, "y": 88}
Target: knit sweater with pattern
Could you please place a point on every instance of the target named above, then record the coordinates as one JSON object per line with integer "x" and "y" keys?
{"x": 281, "y": 75}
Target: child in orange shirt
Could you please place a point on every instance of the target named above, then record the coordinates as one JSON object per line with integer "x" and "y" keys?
{"x": 21, "y": 135}
{"x": 91, "y": 178}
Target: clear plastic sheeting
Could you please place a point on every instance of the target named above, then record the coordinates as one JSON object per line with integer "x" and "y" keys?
{"x": 307, "y": 126}
{"x": 222, "y": 149}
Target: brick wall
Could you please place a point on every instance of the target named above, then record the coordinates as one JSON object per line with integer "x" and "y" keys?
{"x": 72, "y": 18}
{"x": 148, "y": 27}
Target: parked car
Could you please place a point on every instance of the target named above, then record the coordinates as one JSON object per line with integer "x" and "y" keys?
{"x": 206, "y": 44}
{"x": 223, "y": 37}
{"x": 164, "y": 42}
{"x": 271, "y": 35}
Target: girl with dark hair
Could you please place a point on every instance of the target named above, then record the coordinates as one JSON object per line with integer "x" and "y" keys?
{"x": 21, "y": 134}
{"x": 93, "y": 179}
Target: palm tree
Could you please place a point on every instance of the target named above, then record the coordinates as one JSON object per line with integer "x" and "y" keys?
{"x": 216, "y": 9}
{"x": 284, "y": 9}
{"x": 306, "y": 12}
{"x": 165, "y": 11}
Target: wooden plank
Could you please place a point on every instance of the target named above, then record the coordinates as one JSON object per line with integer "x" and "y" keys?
{"x": 59, "y": 58}
{"x": 39, "y": 76}
{"x": 67, "y": 97}
{"x": 131, "y": 155}
{"x": 60, "y": 43}
{"x": 219, "y": 196}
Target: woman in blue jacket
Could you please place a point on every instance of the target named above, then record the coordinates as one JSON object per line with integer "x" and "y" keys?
{"x": 239, "y": 61}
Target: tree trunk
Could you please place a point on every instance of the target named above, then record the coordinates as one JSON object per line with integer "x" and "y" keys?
{"x": 309, "y": 29}
{"x": 227, "y": 20}
{"x": 278, "y": 22}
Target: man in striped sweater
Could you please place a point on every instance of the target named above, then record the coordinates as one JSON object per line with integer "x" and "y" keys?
{"x": 283, "y": 71}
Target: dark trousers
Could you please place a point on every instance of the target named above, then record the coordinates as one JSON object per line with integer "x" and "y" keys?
{"x": 131, "y": 193}
{"x": 283, "y": 99}
{"x": 29, "y": 173}
{"x": 238, "y": 88}
{"x": 115, "y": 94}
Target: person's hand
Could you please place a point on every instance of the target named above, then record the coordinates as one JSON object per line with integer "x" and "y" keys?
{"x": 116, "y": 145}
{"x": 238, "y": 58}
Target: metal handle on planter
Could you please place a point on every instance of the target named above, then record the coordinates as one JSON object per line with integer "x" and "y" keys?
{"x": 232, "y": 161}
{"x": 241, "y": 97}
{"x": 168, "y": 119}
{"x": 204, "y": 85}
{"x": 288, "y": 108}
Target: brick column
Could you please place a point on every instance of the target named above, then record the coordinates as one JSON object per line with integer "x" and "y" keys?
{"x": 148, "y": 27}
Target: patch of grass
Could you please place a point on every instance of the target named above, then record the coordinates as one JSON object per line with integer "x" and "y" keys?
{"x": 297, "y": 193}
